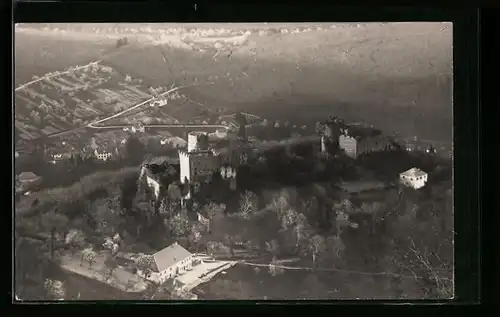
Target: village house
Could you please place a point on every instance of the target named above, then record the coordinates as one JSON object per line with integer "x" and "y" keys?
{"x": 57, "y": 152}
{"x": 103, "y": 153}
{"x": 170, "y": 262}
{"x": 104, "y": 150}
{"x": 414, "y": 178}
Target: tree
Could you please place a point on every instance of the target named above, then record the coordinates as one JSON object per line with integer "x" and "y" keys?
{"x": 111, "y": 264}
{"x": 249, "y": 203}
{"x": 272, "y": 247}
{"x": 316, "y": 245}
{"x": 144, "y": 263}
{"x": 341, "y": 220}
{"x": 336, "y": 245}
{"x": 218, "y": 248}
{"x": 134, "y": 149}
{"x": 174, "y": 193}
{"x": 108, "y": 244}
{"x": 375, "y": 211}
{"x": 279, "y": 204}
{"x": 88, "y": 255}
{"x": 54, "y": 289}
{"x": 212, "y": 210}
{"x": 178, "y": 225}
{"x": 112, "y": 244}
{"x": 300, "y": 229}
{"x": 55, "y": 222}
{"x": 288, "y": 218}
{"x": 75, "y": 238}
{"x": 108, "y": 220}
{"x": 195, "y": 236}
{"x": 275, "y": 268}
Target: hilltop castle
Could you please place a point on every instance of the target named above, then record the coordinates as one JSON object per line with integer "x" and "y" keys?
{"x": 353, "y": 139}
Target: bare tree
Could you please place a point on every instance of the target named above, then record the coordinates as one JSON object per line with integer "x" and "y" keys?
{"x": 300, "y": 229}
{"x": 272, "y": 247}
{"x": 55, "y": 222}
{"x": 316, "y": 246}
{"x": 212, "y": 210}
{"x": 249, "y": 203}
{"x": 336, "y": 245}
{"x": 275, "y": 268}
{"x": 279, "y": 204}
{"x": 375, "y": 211}
{"x": 111, "y": 264}
{"x": 288, "y": 218}
{"x": 195, "y": 236}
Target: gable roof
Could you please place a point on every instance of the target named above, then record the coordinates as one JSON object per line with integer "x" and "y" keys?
{"x": 170, "y": 256}
{"x": 414, "y": 172}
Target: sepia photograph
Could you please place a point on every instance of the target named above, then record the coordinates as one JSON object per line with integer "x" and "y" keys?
{"x": 233, "y": 161}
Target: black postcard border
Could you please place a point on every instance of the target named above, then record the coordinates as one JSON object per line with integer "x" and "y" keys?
{"x": 467, "y": 140}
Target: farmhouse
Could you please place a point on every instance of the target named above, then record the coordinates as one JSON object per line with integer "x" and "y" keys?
{"x": 172, "y": 261}
{"x": 414, "y": 178}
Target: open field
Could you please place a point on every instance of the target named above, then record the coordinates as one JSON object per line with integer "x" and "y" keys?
{"x": 245, "y": 282}
{"x": 120, "y": 279}
{"x": 37, "y": 54}
{"x": 396, "y": 76}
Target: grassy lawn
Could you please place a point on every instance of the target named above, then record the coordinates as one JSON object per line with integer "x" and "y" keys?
{"x": 38, "y": 54}
{"x": 121, "y": 278}
{"x": 83, "y": 288}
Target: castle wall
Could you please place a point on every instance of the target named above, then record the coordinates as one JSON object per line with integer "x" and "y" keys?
{"x": 197, "y": 141}
{"x": 349, "y": 145}
{"x": 355, "y": 147}
{"x": 152, "y": 183}
{"x": 197, "y": 166}
{"x": 184, "y": 166}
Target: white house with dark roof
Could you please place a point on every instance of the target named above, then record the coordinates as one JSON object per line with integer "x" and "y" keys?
{"x": 172, "y": 261}
{"x": 414, "y": 178}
